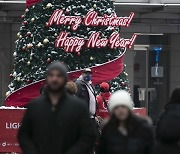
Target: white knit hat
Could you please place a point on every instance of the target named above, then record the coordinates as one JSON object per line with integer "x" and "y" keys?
{"x": 120, "y": 98}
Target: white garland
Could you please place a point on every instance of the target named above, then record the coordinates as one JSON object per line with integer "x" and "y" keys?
{"x": 12, "y": 108}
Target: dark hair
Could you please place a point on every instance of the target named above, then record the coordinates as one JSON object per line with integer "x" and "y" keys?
{"x": 175, "y": 96}
{"x": 130, "y": 123}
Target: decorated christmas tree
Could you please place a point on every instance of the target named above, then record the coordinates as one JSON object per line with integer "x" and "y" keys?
{"x": 47, "y": 23}
{"x": 121, "y": 82}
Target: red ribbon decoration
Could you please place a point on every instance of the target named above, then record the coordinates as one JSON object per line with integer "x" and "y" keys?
{"x": 31, "y": 2}
{"x": 102, "y": 73}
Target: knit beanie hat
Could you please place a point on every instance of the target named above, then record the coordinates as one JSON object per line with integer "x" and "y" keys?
{"x": 120, "y": 98}
{"x": 105, "y": 86}
{"x": 56, "y": 65}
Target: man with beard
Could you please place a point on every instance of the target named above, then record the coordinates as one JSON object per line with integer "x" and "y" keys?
{"x": 56, "y": 122}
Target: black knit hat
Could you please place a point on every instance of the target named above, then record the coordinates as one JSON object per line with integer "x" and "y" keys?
{"x": 56, "y": 65}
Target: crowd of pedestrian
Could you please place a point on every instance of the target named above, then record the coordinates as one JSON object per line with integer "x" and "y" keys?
{"x": 66, "y": 118}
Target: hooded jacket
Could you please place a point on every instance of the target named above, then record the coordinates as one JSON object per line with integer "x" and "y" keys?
{"x": 168, "y": 130}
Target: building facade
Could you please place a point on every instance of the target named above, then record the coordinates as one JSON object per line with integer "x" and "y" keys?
{"x": 157, "y": 23}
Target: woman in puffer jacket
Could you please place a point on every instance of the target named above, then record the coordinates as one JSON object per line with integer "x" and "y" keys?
{"x": 168, "y": 127}
{"x": 125, "y": 133}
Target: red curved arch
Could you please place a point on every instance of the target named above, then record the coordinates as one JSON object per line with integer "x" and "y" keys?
{"x": 101, "y": 73}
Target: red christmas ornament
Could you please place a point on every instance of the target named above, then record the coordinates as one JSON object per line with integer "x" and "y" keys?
{"x": 78, "y": 53}
{"x": 10, "y": 75}
{"x": 30, "y": 46}
{"x": 28, "y": 33}
{"x": 23, "y": 48}
{"x": 67, "y": 11}
{"x": 47, "y": 24}
{"x": 25, "y": 22}
{"x": 123, "y": 84}
{"x": 22, "y": 17}
{"x": 48, "y": 60}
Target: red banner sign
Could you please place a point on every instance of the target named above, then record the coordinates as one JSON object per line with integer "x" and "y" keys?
{"x": 140, "y": 111}
{"x": 10, "y": 120}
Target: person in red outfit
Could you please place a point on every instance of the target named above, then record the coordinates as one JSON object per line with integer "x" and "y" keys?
{"x": 102, "y": 100}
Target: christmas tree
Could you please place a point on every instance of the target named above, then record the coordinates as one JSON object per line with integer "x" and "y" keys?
{"x": 35, "y": 46}
{"x": 120, "y": 83}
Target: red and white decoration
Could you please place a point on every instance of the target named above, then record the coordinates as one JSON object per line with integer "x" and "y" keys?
{"x": 101, "y": 73}
{"x": 10, "y": 121}
{"x": 9, "y": 124}
{"x": 75, "y": 44}
{"x": 104, "y": 72}
{"x": 31, "y": 2}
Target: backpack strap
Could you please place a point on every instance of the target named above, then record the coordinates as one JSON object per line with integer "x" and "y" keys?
{"x": 90, "y": 88}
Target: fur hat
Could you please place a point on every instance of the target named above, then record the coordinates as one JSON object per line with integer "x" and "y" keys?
{"x": 71, "y": 87}
{"x": 120, "y": 98}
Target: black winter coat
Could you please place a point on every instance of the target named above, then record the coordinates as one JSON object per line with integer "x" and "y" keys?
{"x": 168, "y": 130}
{"x": 65, "y": 129}
{"x": 83, "y": 92}
{"x": 138, "y": 141}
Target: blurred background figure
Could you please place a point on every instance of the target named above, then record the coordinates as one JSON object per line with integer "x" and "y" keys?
{"x": 56, "y": 123}
{"x": 86, "y": 91}
{"x": 125, "y": 133}
{"x": 102, "y": 100}
{"x": 168, "y": 127}
{"x": 136, "y": 100}
{"x": 71, "y": 87}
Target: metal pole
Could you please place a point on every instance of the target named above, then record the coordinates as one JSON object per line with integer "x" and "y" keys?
{"x": 147, "y": 80}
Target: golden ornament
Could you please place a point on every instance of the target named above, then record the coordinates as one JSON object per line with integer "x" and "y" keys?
{"x": 45, "y": 41}
{"x": 94, "y": 5}
{"x": 33, "y": 19}
{"x": 8, "y": 93}
{"x": 18, "y": 34}
{"x": 39, "y": 45}
{"x": 49, "y": 5}
{"x": 28, "y": 62}
{"x": 91, "y": 58}
{"x": 18, "y": 79}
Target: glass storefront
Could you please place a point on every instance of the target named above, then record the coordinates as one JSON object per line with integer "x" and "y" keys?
{"x": 151, "y": 73}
